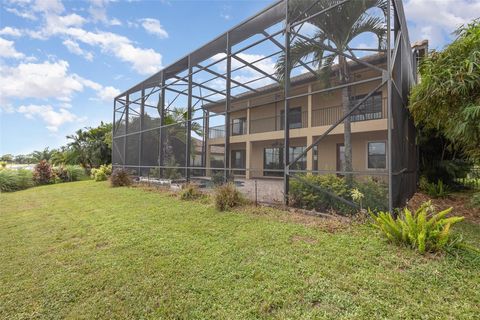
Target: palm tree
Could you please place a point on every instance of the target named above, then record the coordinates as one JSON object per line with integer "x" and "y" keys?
{"x": 335, "y": 28}
{"x": 45, "y": 154}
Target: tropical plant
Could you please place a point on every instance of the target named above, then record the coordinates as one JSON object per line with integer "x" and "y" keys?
{"x": 102, "y": 173}
{"x": 228, "y": 197}
{"x": 475, "y": 201}
{"x": 120, "y": 177}
{"x": 447, "y": 99}
{"x": 357, "y": 196}
{"x": 423, "y": 230}
{"x": 334, "y": 31}
{"x": 437, "y": 190}
{"x": 44, "y": 154}
{"x": 190, "y": 191}
{"x": 13, "y": 180}
{"x": 3, "y": 164}
{"x": 43, "y": 173}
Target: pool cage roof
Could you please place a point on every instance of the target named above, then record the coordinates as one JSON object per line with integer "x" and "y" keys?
{"x": 260, "y": 57}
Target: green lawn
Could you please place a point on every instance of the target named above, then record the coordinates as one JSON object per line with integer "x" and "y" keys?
{"x": 84, "y": 250}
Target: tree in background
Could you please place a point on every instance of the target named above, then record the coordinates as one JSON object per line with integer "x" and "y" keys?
{"x": 446, "y": 103}
{"x": 7, "y": 158}
{"x": 91, "y": 147}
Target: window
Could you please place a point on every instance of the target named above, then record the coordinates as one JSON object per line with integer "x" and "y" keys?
{"x": 238, "y": 161}
{"x": 294, "y": 118}
{"x": 239, "y": 126}
{"x": 371, "y": 109}
{"x": 377, "y": 156}
{"x": 273, "y": 160}
{"x": 340, "y": 157}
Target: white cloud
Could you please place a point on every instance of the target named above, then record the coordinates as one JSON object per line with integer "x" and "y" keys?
{"x": 7, "y": 50}
{"x": 107, "y": 94}
{"x": 435, "y": 20}
{"x": 39, "y": 80}
{"x": 26, "y": 14}
{"x": 9, "y": 31}
{"x": 53, "y": 6}
{"x": 74, "y": 48}
{"x": 47, "y": 80}
{"x": 98, "y": 12}
{"x": 154, "y": 27}
{"x": 144, "y": 61}
{"x": 53, "y": 118}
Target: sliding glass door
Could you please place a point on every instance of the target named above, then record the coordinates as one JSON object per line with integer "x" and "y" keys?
{"x": 273, "y": 161}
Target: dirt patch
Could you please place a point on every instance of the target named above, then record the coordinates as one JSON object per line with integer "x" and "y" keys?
{"x": 459, "y": 201}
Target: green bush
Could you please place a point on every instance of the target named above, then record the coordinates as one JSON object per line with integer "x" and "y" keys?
{"x": 190, "y": 191}
{"x": 75, "y": 172}
{"x": 60, "y": 174}
{"x": 13, "y": 180}
{"x": 3, "y": 164}
{"x": 228, "y": 197}
{"x": 424, "y": 230}
{"x": 120, "y": 177}
{"x": 437, "y": 190}
{"x": 100, "y": 176}
{"x": 102, "y": 173}
{"x": 375, "y": 194}
{"x": 43, "y": 173}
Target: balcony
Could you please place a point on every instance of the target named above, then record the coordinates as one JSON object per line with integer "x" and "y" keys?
{"x": 370, "y": 110}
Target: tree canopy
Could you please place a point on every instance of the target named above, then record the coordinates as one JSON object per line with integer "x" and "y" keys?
{"x": 447, "y": 100}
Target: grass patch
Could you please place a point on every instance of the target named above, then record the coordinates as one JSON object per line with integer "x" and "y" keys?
{"x": 84, "y": 250}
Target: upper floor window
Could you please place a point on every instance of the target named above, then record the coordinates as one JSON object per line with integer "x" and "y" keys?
{"x": 377, "y": 155}
{"x": 239, "y": 126}
{"x": 294, "y": 118}
{"x": 371, "y": 109}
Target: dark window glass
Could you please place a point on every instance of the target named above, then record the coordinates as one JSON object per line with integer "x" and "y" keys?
{"x": 273, "y": 160}
{"x": 238, "y": 161}
{"x": 377, "y": 156}
{"x": 371, "y": 109}
{"x": 239, "y": 126}
{"x": 294, "y": 118}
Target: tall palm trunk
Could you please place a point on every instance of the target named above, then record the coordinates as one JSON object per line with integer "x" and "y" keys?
{"x": 347, "y": 131}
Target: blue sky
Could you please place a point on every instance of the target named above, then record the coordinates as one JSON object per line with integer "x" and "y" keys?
{"x": 61, "y": 63}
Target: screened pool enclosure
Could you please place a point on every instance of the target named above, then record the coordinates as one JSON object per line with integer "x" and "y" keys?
{"x": 327, "y": 80}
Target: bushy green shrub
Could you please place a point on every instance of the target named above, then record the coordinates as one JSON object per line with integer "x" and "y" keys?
{"x": 437, "y": 190}
{"x": 424, "y": 230}
{"x": 190, "y": 191}
{"x": 43, "y": 173}
{"x": 13, "y": 180}
{"x": 120, "y": 177}
{"x": 101, "y": 173}
{"x": 3, "y": 164}
{"x": 228, "y": 197}
{"x": 375, "y": 193}
{"x": 304, "y": 195}
{"x": 75, "y": 172}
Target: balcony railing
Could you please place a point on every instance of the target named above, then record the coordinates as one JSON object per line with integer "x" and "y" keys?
{"x": 330, "y": 115}
{"x": 216, "y": 132}
{"x": 275, "y": 123}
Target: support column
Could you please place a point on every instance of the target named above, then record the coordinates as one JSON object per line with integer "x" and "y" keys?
{"x": 161, "y": 112}
{"x": 248, "y": 117}
{"x": 309, "y": 154}
{"x": 248, "y": 155}
{"x": 226, "y": 163}
{"x": 309, "y": 108}
{"x": 286, "y": 125}
{"x": 189, "y": 123}
{"x": 127, "y": 108}
{"x": 140, "y": 138}
{"x": 389, "y": 110}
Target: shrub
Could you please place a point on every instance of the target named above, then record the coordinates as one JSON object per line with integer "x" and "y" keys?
{"x": 190, "y": 191}
{"x": 101, "y": 173}
{"x": 75, "y": 172}
{"x": 227, "y": 197}
{"x": 304, "y": 195}
{"x": 13, "y": 180}
{"x": 424, "y": 230}
{"x": 437, "y": 190}
{"x": 120, "y": 177}
{"x": 43, "y": 173}
{"x": 60, "y": 174}
{"x": 375, "y": 194}
{"x": 3, "y": 164}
